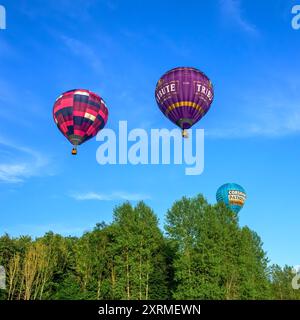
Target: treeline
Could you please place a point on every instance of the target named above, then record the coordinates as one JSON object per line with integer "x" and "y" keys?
{"x": 203, "y": 254}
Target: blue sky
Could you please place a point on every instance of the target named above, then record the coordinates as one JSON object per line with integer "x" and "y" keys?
{"x": 119, "y": 49}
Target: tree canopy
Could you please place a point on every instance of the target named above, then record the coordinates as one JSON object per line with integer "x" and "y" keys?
{"x": 202, "y": 254}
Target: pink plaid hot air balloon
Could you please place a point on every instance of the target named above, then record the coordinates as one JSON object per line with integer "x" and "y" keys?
{"x": 79, "y": 114}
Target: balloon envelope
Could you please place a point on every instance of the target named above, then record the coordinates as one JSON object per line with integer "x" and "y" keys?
{"x": 233, "y": 195}
{"x": 79, "y": 114}
{"x": 184, "y": 95}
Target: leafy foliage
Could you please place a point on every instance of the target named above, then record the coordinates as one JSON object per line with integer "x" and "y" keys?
{"x": 204, "y": 254}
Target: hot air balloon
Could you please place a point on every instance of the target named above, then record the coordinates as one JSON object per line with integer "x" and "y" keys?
{"x": 184, "y": 95}
{"x": 79, "y": 114}
{"x": 233, "y": 195}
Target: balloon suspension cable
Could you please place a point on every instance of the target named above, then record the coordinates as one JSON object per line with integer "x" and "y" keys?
{"x": 185, "y": 133}
{"x": 74, "y": 151}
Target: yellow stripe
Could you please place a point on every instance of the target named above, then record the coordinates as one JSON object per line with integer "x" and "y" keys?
{"x": 89, "y": 116}
{"x": 184, "y": 104}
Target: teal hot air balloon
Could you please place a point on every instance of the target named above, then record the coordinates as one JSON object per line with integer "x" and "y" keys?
{"x": 233, "y": 195}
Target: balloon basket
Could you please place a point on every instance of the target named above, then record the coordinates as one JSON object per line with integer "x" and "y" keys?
{"x": 185, "y": 134}
{"x": 74, "y": 151}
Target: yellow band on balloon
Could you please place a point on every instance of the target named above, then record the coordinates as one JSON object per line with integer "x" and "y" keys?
{"x": 184, "y": 104}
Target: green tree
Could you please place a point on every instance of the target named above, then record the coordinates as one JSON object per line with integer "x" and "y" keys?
{"x": 139, "y": 253}
{"x": 204, "y": 254}
{"x": 281, "y": 286}
{"x": 215, "y": 259}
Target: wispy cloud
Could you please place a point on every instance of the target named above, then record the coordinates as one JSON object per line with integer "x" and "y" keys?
{"x": 6, "y": 50}
{"x": 83, "y": 50}
{"x": 273, "y": 113}
{"x": 20, "y": 163}
{"x": 271, "y": 126}
{"x": 81, "y": 11}
{"x": 232, "y": 9}
{"x": 109, "y": 197}
{"x": 111, "y": 4}
{"x": 14, "y": 97}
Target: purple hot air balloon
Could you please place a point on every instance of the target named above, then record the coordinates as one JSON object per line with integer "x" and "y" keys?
{"x": 184, "y": 95}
